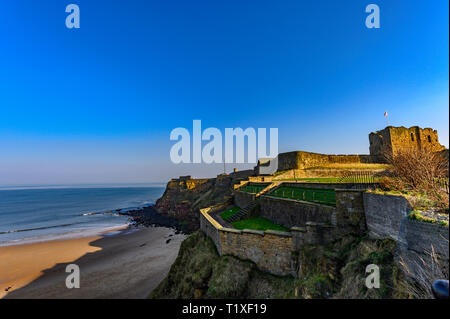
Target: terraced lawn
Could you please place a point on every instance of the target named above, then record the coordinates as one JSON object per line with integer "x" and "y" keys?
{"x": 229, "y": 213}
{"x": 258, "y": 223}
{"x": 253, "y": 189}
{"x": 321, "y": 196}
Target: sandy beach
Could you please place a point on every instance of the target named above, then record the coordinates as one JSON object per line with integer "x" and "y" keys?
{"x": 125, "y": 265}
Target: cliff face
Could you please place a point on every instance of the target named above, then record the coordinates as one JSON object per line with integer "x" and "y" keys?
{"x": 183, "y": 198}
{"x": 333, "y": 271}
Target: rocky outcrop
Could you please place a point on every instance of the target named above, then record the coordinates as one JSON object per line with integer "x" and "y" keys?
{"x": 184, "y": 197}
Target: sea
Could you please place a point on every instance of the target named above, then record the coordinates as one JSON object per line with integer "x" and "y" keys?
{"x": 41, "y": 213}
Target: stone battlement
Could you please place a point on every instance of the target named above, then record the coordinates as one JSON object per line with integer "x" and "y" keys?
{"x": 392, "y": 140}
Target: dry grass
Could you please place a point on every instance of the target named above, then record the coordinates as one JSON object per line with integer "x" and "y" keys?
{"x": 418, "y": 172}
{"x": 418, "y": 169}
{"x": 422, "y": 272}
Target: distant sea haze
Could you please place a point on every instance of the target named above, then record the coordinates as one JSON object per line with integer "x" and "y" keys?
{"x": 35, "y": 213}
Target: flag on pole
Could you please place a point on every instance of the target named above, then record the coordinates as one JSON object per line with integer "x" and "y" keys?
{"x": 387, "y": 118}
{"x": 385, "y": 114}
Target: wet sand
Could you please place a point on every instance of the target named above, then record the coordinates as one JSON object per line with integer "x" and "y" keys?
{"x": 126, "y": 265}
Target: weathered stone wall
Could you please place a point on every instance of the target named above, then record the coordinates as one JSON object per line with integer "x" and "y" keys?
{"x": 384, "y": 214}
{"x": 350, "y": 217}
{"x": 387, "y": 217}
{"x": 243, "y": 199}
{"x": 422, "y": 251}
{"x": 313, "y": 234}
{"x": 419, "y": 244}
{"x": 259, "y": 179}
{"x": 425, "y": 237}
{"x": 290, "y": 213}
{"x": 271, "y": 251}
{"x": 302, "y": 160}
{"x": 210, "y": 227}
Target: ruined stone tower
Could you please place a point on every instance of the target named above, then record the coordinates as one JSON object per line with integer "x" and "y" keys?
{"x": 391, "y": 140}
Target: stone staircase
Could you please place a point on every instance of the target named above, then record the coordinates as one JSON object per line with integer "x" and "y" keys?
{"x": 243, "y": 213}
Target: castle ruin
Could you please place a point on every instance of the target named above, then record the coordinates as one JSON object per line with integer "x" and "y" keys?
{"x": 392, "y": 140}
{"x": 383, "y": 143}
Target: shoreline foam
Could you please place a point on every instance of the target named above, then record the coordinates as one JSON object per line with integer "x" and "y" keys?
{"x": 74, "y": 234}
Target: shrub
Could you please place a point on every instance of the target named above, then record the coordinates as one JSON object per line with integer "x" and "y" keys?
{"x": 420, "y": 171}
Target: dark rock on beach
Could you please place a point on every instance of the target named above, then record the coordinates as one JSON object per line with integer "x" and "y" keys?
{"x": 148, "y": 216}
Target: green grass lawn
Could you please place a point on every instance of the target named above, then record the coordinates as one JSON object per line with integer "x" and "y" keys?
{"x": 321, "y": 196}
{"x": 253, "y": 189}
{"x": 229, "y": 213}
{"x": 258, "y": 223}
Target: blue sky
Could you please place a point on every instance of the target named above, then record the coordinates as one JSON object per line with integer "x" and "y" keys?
{"x": 97, "y": 104}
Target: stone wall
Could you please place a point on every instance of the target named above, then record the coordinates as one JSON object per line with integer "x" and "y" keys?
{"x": 422, "y": 251}
{"x": 313, "y": 234}
{"x": 384, "y": 214}
{"x": 243, "y": 199}
{"x": 387, "y": 217}
{"x": 259, "y": 179}
{"x": 290, "y": 213}
{"x": 302, "y": 160}
{"x": 419, "y": 244}
{"x": 423, "y": 237}
{"x": 350, "y": 216}
{"x": 210, "y": 227}
{"x": 271, "y": 251}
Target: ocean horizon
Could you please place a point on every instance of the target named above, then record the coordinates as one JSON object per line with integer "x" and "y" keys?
{"x": 30, "y": 213}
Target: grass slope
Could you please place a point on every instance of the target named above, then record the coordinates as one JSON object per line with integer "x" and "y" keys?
{"x": 258, "y": 223}
{"x": 229, "y": 213}
{"x": 321, "y": 196}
